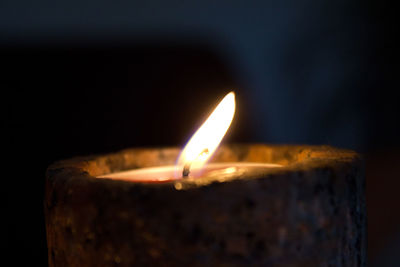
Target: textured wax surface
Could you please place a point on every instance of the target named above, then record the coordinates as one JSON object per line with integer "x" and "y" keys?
{"x": 311, "y": 212}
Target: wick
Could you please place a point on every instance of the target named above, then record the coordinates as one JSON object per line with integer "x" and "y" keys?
{"x": 186, "y": 168}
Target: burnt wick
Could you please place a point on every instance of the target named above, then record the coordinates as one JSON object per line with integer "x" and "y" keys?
{"x": 186, "y": 167}
{"x": 186, "y": 170}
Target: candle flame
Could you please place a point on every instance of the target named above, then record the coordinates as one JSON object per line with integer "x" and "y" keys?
{"x": 205, "y": 141}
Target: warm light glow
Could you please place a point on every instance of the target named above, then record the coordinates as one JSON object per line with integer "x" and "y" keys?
{"x": 205, "y": 141}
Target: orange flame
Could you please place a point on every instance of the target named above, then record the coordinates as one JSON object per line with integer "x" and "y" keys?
{"x": 205, "y": 141}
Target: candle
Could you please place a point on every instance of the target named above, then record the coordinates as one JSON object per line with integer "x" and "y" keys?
{"x": 200, "y": 148}
{"x": 308, "y": 212}
{"x": 252, "y": 205}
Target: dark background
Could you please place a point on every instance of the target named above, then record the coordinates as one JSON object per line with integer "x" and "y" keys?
{"x": 81, "y": 78}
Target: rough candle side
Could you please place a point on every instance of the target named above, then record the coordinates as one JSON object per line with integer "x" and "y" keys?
{"x": 309, "y": 213}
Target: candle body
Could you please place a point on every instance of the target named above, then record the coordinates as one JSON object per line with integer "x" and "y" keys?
{"x": 309, "y": 212}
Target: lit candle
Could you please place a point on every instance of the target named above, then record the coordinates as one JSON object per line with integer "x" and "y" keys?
{"x": 198, "y": 151}
{"x": 234, "y": 211}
